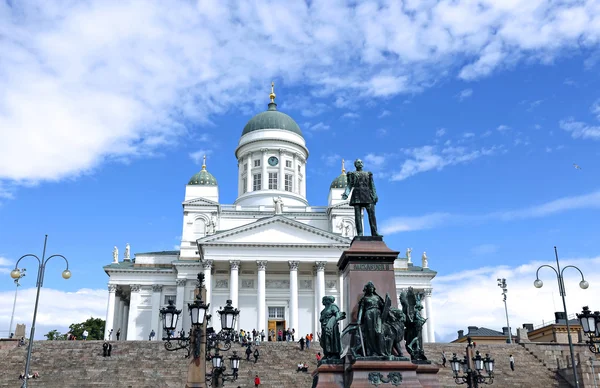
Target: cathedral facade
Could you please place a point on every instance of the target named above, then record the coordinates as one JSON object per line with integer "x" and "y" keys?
{"x": 270, "y": 252}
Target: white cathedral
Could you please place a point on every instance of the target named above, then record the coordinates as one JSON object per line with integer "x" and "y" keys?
{"x": 270, "y": 252}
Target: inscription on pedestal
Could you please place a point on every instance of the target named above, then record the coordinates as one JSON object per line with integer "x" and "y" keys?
{"x": 370, "y": 267}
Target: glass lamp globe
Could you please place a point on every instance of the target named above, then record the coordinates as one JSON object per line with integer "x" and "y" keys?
{"x": 584, "y": 284}
{"x": 66, "y": 274}
{"x": 15, "y": 274}
{"x": 538, "y": 283}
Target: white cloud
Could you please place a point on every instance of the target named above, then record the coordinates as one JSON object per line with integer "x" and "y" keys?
{"x": 502, "y": 128}
{"x": 466, "y": 93}
{"x": 320, "y": 126}
{"x": 428, "y": 221}
{"x": 595, "y": 108}
{"x": 467, "y": 135}
{"x": 484, "y": 249}
{"x": 350, "y": 115}
{"x": 384, "y": 113}
{"x": 6, "y": 265}
{"x": 53, "y": 311}
{"x": 580, "y": 129}
{"x": 198, "y": 156}
{"x": 427, "y": 158}
{"x": 440, "y": 132}
{"x": 376, "y": 161}
{"x": 485, "y": 307}
{"x": 331, "y": 159}
{"x": 381, "y": 132}
{"x": 409, "y": 224}
{"x": 87, "y": 93}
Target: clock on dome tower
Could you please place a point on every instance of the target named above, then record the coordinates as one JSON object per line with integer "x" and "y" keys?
{"x": 273, "y": 161}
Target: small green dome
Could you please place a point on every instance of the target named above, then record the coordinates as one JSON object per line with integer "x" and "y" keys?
{"x": 203, "y": 178}
{"x": 341, "y": 181}
{"x": 272, "y": 119}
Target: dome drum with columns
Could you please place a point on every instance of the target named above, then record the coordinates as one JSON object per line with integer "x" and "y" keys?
{"x": 270, "y": 252}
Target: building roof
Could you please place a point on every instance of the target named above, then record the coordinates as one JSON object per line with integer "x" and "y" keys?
{"x": 475, "y": 331}
{"x": 272, "y": 119}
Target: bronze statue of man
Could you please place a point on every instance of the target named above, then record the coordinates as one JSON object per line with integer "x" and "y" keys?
{"x": 364, "y": 195}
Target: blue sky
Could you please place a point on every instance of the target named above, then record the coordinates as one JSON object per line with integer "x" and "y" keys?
{"x": 472, "y": 118}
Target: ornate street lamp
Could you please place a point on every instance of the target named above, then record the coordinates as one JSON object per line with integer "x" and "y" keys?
{"x": 472, "y": 368}
{"x": 591, "y": 326}
{"x": 561, "y": 287}
{"x": 17, "y": 274}
{"x": 17, "y": 285}
{"x": 199, "y": 335}
{"x": 222, "y": 341}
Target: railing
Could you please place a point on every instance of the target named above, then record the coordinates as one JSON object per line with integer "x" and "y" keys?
{"x": 553, "y": 321}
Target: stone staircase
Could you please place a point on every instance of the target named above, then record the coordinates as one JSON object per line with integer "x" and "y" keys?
{"x": 529, "y": 372}
{"x": 141, "y": 364}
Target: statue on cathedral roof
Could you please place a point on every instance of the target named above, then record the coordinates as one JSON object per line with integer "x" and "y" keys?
{"x": 364, "y": 196}
{"x": 127, "y": 252}
{"x": 115, "y": 255}
{"x": 278, "y": 201}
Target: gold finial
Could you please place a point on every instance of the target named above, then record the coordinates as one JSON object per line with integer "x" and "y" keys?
{"x": 204, "y": 163}
{"x": 272, "y": 95}
{"x": 343, "y": 167}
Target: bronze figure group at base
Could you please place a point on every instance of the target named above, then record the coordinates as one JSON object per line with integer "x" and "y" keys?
{"x": 379, "y": 329}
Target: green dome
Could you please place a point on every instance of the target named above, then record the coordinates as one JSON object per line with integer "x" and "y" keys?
{"x": 203, "y": 178}
{"x": 272, "y": 119}
{"x": 341, "y": 181}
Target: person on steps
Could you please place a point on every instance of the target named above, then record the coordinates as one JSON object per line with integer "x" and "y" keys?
{"x": 256, "y": 354}
{"x": 248, "y": 353}
{"x": 256, "y": 381}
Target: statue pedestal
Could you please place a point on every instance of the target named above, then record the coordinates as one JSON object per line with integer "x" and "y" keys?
{"x": 368, "y": 260}
{"x": 366, "y": 374}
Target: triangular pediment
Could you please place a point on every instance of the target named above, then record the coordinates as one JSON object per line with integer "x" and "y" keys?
{"x": 200, "y": 202}
{"x": 277, "y": 230}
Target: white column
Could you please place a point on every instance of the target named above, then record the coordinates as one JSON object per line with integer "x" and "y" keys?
{"x": 280, "y": 180}
{"x": 155, "y": 320}
{"x": 125, "y": 322}
{"x": 118, "y": 313}
{"x": 320, "y": 287}
{"x": 265, "y": 177}
{"x": 261, "y": 300}
{"x": 240, "y": 173}
{"x": 294, "y": 295}
{"x": 234, "y": 266}
{"x": 110, "y": 310}
{"x": 207, "y": 266}
{"x": 303, "y": 185}
{"x": 179, "y": 302}
{"x": 295, "y": 174}
{"x": 134, "y": 302}
{"x": 249, "y": 175}
{"x": 429, "y": 323}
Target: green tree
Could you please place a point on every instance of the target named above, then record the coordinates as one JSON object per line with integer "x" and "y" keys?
{"x": 94, "y": 326}
{"x": 55, "y": 335}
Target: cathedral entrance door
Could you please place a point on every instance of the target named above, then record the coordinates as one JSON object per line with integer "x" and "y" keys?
{"x": 273, "y": 327}
{"x": 280, "y": 326}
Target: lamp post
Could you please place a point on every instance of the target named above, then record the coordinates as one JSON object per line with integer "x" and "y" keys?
{"x": 591, "y": 326}
{"x": 202, "y": 340}
{"x": 502, "y": 284}
{"x": 16, "y": 274}
{"x": 17, "y": 284}
{"x": 561, "y": 287}
{"x": 472, "y": 366}
{"x": 591, "y": 359}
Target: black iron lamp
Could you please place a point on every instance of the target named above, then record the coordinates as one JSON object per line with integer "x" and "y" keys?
{"x": 472, "y": 368}
{"x": 170, "y": 316}
{"x": 198, "y": 311}
{"x": 228, "y": 315}
{"x": 590, "y": 322}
